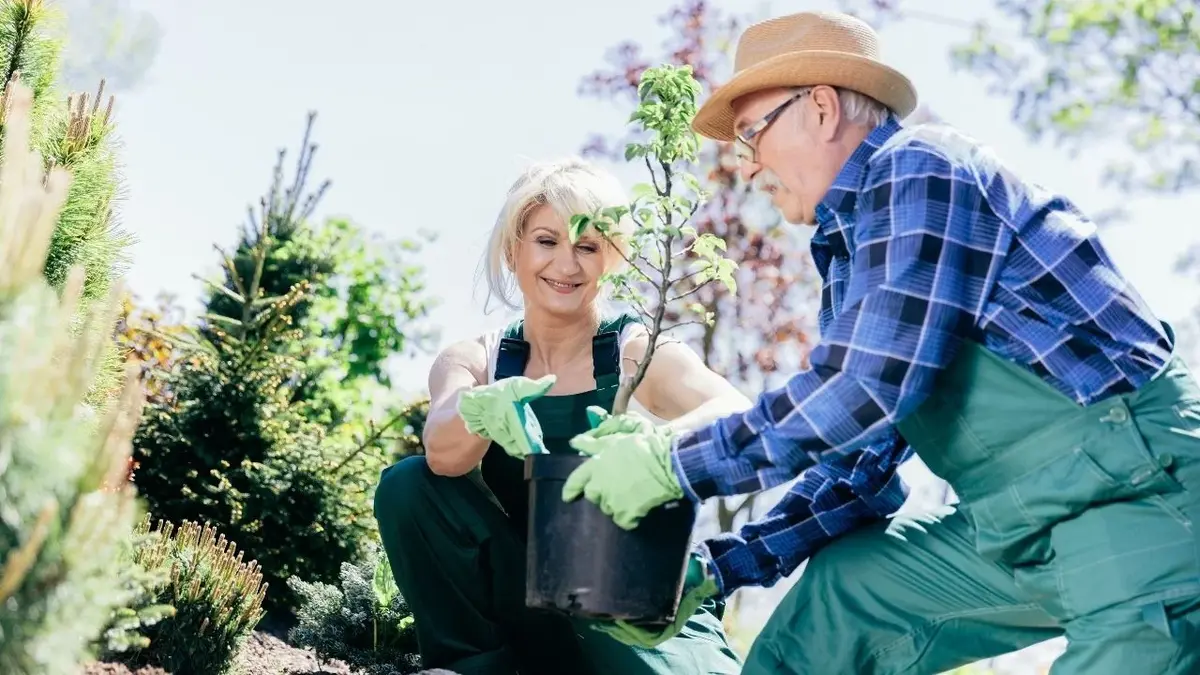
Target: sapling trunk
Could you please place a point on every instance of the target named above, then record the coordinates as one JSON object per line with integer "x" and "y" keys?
{"x": 630, "y": 384}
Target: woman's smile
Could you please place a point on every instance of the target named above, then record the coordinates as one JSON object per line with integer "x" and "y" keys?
{"x": 561, "y": 286}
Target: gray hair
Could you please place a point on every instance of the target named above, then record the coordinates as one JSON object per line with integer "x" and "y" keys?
{"x": 858, "y": 108}
{"x": 569, "y": 186}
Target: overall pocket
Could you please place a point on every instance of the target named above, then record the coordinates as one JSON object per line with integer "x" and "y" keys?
{"x": 1012, "y": 523}
{"x": 1094, "y": 526}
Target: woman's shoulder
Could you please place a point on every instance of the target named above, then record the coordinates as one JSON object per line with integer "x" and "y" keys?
{"x": 470, "y": 353}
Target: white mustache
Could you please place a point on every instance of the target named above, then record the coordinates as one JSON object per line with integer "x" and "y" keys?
{"x": 766, "y": 179}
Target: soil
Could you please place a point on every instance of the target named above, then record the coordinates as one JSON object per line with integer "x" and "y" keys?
{"x": 101, "y": 668}
{"x": 267, "y": 654}
{"x": 264, "y": 653}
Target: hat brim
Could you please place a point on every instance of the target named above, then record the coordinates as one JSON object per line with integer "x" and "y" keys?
{"x": 715, "y": 118}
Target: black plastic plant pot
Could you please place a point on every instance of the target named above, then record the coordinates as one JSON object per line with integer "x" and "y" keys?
{"x": 579, "y": 562}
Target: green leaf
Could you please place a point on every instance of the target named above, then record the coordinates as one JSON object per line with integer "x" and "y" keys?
{"x": 706, "y": 245}
{"x": 615, "y": 213}
{"x": 577, "y": 225}
{"x": 644, "y": 190}
{"x": 384, "y": 584}
{"x": 724, "y": 274}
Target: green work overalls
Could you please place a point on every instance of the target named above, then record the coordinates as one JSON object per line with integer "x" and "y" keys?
{"x": 1073, "y": 520}
{"x": 460, "y": 561}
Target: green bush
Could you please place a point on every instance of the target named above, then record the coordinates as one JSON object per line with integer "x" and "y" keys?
{"x": 408, "y": 440}
{"x": 65, "y": 510}
{"x": 269, "y": 427}
{"x": 217, "y": 599}
{"x": 365, "y": 622}
{"x": 231, "y": 447}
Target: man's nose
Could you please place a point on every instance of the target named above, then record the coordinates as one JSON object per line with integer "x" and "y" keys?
{"x": 749, "y": 169}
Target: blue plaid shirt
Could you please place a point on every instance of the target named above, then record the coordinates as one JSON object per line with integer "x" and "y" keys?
{"x": 924, "y": 240}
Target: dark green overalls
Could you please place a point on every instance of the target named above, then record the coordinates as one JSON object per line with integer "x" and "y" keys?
{"x": 460, "y": 561}
{"x": 1075, "y": 520}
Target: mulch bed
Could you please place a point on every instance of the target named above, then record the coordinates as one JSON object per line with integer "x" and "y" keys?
{"x": 266, "y": 654}
{"x": 263, "y": 654}
{"x": 101, "y": 668}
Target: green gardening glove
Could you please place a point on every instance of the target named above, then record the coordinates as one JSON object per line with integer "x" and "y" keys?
{"x": 604, "y": 423}
{"x": 627, "y": 474}
{"x": 698, "y": 586}
{"x": 500, "y": 412}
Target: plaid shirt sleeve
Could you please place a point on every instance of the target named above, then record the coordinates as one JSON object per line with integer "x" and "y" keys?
{"x": 828, "y": 501}
{"x": 906, "y": 310}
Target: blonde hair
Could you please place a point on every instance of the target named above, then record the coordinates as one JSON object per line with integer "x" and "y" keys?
{"x": 568, "y": 186}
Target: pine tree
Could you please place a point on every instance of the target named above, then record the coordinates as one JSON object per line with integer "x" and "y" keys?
{"x": 367, "y": 304}
{"x": 231, "y": 446}
{"x": 66, "y": 511}
{"x": 269, "y": 428}
{"x": 75, "y": 132}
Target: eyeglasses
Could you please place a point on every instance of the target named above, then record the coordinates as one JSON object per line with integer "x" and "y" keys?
{"x": 747, "y": 151}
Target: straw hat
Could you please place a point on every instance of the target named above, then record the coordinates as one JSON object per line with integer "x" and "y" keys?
{"x": 806, "y": 49}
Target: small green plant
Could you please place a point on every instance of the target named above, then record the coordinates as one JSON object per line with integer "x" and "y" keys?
{"x": 365, "y": 623}
{"x": 663, "y": 254}
{"x": 143, "y": 587}
{"x": 217, "y": 598}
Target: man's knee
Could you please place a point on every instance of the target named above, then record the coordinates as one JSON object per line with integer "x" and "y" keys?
{"x": 856, "y": 608}
{"x": 823, "y": 621}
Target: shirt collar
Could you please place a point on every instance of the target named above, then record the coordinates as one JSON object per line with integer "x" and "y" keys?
{"x": 842, "y": 195}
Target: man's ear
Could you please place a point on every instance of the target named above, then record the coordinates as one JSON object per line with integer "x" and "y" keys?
{"x": 829, "y": 111}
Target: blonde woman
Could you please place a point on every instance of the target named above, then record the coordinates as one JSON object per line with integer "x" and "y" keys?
{"x": 453, "y": 521}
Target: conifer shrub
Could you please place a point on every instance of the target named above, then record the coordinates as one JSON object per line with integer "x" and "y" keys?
{"x": 363, "y": 621}
{"x": 217, "y": 598}
{"x": 65, "y": 511}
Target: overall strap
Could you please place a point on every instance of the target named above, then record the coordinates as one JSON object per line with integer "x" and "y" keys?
{"x": 513, "y": 354}
{"x": 606, "y": 350}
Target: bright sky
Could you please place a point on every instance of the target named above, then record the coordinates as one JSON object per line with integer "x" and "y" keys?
{"x": 427, "y": 110}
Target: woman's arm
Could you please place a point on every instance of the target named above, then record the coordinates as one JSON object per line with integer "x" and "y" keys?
{"x": 678, "y": 387}
{"x": 451, "y": 450}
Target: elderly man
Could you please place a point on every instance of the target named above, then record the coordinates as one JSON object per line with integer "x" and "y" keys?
{"x": 979, "y": 316}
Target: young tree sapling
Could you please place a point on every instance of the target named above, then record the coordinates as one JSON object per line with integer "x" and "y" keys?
{"x": 661, "y": 251}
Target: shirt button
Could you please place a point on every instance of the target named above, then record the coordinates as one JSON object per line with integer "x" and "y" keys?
{"x": 1117, "y": 415}
{"x": 1165, "y": 460}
